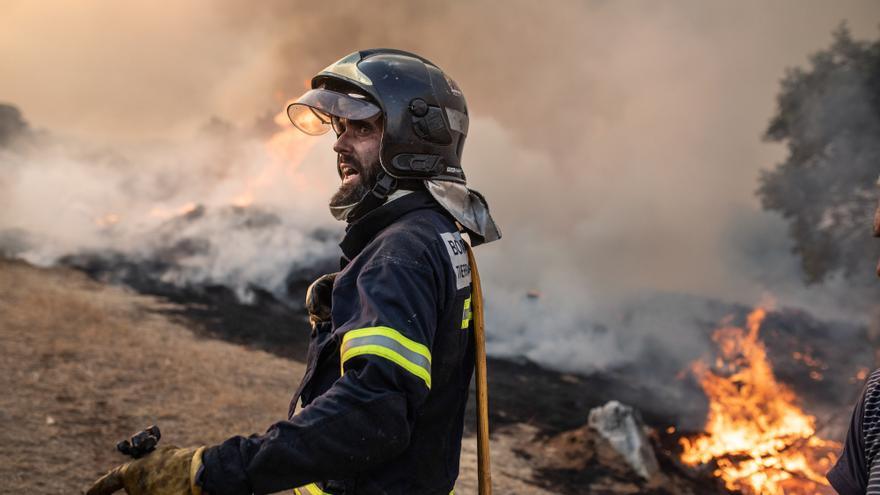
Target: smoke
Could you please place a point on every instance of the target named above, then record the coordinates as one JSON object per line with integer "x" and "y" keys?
{"x": 618, "y": 145}
{"x": 227, "y": 206}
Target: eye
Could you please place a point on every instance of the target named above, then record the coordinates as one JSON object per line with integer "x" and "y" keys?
{"x": 338, "y": 125}
{"x": 364, "y": 129}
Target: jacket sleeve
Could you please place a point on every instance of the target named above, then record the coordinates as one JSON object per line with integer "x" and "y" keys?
{"x": 386, "y": 318}
{"x": 849, "y": 476}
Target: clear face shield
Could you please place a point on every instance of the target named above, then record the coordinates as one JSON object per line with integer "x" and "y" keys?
{"x": 313, "y": 113}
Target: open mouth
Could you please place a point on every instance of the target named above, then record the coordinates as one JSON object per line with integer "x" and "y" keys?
{"x": 349, "y": 173}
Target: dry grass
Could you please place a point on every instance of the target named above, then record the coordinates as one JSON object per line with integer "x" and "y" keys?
{"x": 85, "y": 365}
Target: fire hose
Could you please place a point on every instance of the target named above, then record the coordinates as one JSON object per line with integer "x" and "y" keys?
{"x": 484, "y": 474}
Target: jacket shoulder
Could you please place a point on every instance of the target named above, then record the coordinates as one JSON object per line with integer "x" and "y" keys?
{"x": 415, "y": 233}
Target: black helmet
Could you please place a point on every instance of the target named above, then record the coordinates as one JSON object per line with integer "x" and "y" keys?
{"x": 425, "y": 114}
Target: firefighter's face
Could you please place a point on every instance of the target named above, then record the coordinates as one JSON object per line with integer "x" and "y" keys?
{"x": 357, "y": 157}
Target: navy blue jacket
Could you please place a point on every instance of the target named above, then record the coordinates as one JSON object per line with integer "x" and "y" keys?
{"x": 384, "y": 393}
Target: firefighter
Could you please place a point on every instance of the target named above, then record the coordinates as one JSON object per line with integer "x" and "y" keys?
{"x": 381, "y": 407}
{"x": 857, "y": 471}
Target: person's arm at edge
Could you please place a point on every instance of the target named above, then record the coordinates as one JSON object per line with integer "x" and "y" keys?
{"x": 849, "y": 476}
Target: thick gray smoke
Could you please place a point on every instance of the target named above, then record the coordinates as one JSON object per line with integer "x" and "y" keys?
{"x": 618, "y": 145}
{"x": 225, "y": 207}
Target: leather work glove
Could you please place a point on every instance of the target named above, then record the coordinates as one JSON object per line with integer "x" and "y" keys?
{"x": 319, "y": 299}
{"x": 165, "y": 471}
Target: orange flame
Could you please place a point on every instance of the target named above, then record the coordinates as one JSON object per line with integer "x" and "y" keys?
{"x": 107, "y": 220}
{"x": 163, "y": 213}
{"x": 287, "y": 149}
{"x": 760, "y": 441}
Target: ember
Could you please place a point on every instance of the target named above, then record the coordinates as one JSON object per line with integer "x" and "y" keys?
{"x": 759, "y": 440}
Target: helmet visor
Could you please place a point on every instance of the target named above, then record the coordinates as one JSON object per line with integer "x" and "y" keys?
{"x": 312, "y": 112}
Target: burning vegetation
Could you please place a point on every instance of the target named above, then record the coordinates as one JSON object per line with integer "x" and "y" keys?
{"x": 758, "y": 440}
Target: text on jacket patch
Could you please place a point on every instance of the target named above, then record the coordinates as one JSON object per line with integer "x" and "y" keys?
{"x": 457, "y": 250}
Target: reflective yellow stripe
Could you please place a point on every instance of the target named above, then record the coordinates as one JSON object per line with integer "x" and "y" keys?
{"x": 466, "y": 316}
{"x": 390, "y": 344}
{"x": 310, "y": 489}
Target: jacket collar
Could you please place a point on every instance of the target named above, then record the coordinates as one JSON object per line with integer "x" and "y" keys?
{"x": 359, "y": 233}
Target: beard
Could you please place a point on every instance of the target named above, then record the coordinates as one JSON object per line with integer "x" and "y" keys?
{"x": 352, "y": 192}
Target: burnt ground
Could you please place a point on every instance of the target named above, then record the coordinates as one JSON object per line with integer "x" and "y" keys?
{"x": 820, "y": 360}
{"x": 523, "y": 392}
{"x": 85, "y": 364}
{"x": 537, "y": 414}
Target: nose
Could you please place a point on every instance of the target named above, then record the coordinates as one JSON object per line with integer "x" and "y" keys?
{"x": 342, "y": 144}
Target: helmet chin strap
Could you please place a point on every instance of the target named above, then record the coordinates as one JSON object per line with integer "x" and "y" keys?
{"x": 341, "y": 212}
{"x": 385, "y": 185}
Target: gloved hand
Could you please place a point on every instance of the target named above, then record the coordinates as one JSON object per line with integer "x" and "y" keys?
{"x": 319, "y": 298}
{"x": 165, "y": 471}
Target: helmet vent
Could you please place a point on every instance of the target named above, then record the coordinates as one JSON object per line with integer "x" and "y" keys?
{"x": 432, "y": 127}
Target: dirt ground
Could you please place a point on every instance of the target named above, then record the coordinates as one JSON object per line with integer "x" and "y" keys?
{"x": 86, "y": 364}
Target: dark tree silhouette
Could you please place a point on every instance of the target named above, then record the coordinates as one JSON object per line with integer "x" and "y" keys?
{"x": 12, "y": 124}
{"x": 829, "y": 117}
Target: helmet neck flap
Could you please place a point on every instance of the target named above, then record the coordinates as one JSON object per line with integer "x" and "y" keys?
{"x": 375, "y": 197}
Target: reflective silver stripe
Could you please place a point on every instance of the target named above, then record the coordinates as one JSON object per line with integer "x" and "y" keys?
{"x": 389, "y": 343}
{"x": 458, "y": 121}
{"x": 466, "y": 314}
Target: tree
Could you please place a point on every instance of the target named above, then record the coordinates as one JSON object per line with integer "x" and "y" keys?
{"x": 827, "y": 189}
{"x": 12, "y": 125}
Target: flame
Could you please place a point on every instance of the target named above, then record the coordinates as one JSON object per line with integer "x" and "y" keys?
{"x": 760, "y": 441}
{"x": 163, "y": 213}
{"x": 244, "y": 199}
{"x": 107, "y": 220}
{"x": 287, "y": 149}
{"x": 808, "y": 359}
